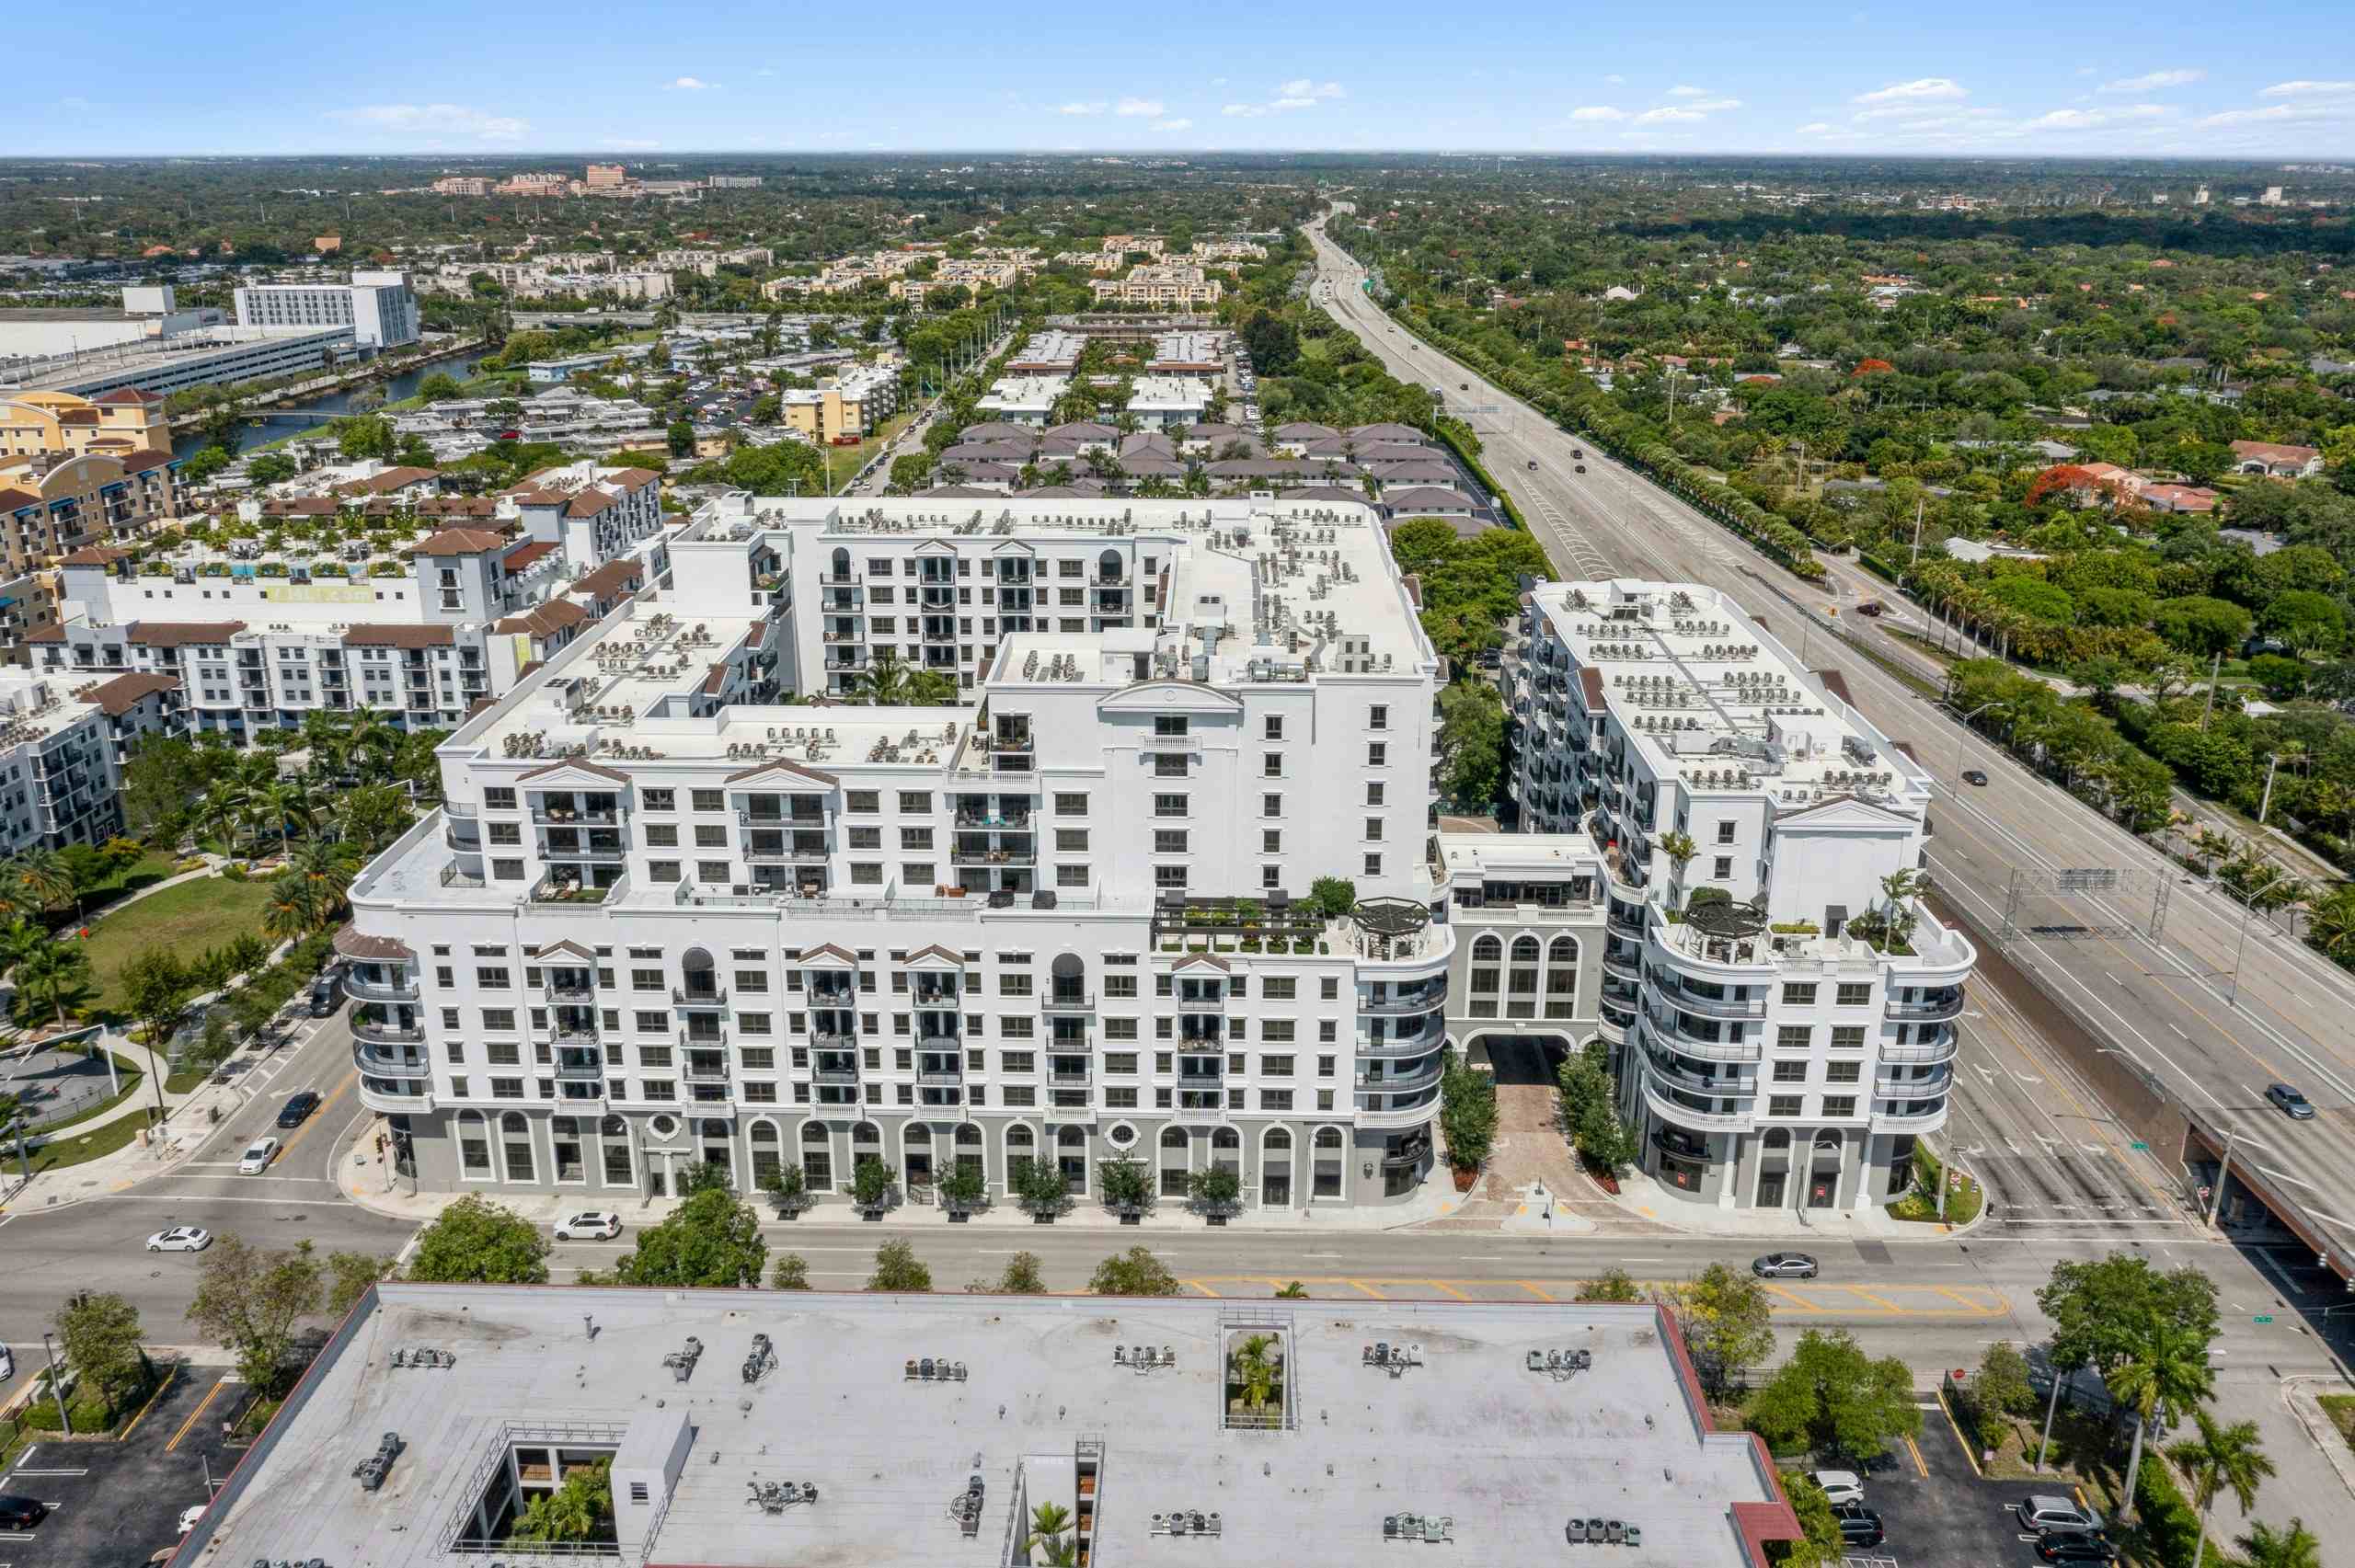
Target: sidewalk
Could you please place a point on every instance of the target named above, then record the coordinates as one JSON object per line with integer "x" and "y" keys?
{"x": 1641, "y": 1195}
{"x": 360, "y": 1175}
{"x": 188, "y": 1122}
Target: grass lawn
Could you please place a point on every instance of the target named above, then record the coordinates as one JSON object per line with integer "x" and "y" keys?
{"x": 186, "y": 920}
{"x": 73, "y": 1149}
{"x": 146, "y": 872}
{"x": 2341, "y": 1408}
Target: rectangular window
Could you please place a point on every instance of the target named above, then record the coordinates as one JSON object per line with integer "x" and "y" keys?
{"x": 1123, "y": 1063}
{"x": 1853, "y": 994}
{"x": 1798, "y": 993}
{"x": 1275, "y": 1067}
{"x": 1790, "y": 1072}
{"x": 1073, "y": 805}
{"x": 1169, "y": 805}
{"x": 1374, "y": 830}
{"x": 663, "y": 835}
{"x": 1169, "y": 877}
{"x": 1720, "y": 867}
{"x": 1074, "y": 875}
{"x": 1120, "y": 1099}
{"x": 1793, "y": 1036}
{"x": 1783, "y": 1104}
{"x": 707, "y": 800}
{"x": 1169, "y": 764}
{"x": 1848, "y": 1036}
{"x": 1377, "y": 716}
{"x": 1271, "y": 806}
{"x": 1271, "y": 766}
{"x": 1169, "y": 841}
{"x": 1278, "y": 988}
{"x": 863, "y": 801}
{"x": 1839, "y": 1104}
{"x": 498, "y": 797}
{"x": 658, "y": 799}
{"x": 1725, "y": 832}
{"x": 491, "y": 977}
{"x": 499, "y": 1020}
{"x": 915, "y": 803}
{"x": 1070, "y": 840}
{"x": 1377, "y": 753}
{"x": 1373, "y": 866}
{"x": 1844, "y": 1073}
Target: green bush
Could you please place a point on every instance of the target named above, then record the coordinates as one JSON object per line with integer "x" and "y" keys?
{"x": 2164, "y": 1522}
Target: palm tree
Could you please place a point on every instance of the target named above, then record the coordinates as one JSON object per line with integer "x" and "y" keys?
{"x": 2265, "y": 1546}
{"x": 222, "y": 815}
{"x": 2170, "y": 1371}
{"x": 53, "y": 973}
{"x": 2221, "y": 1459}
{"x": 1255, "y": 1372}
{"x": 2330, "y": 924}
{"x": 884, "y": 681}
{"x": 1049, "y": 1521}
{"x": 20, "y": 941}
{"x": 1680, "y": 849}
{"x": 43, "y": 877}
{"x": 290, "y": 803}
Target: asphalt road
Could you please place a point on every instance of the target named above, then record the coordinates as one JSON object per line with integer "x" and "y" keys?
{"x": 99, "y": 1243}
{"x": 2175, "y": 1006}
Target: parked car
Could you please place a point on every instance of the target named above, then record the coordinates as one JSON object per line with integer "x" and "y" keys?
{"x": 1841, "y": 1486}
{"x": 298, "y": 1108}
{"x": 190, "y": 1515}
{"x": 256, "y": 1157}
{"x": 2042, "y": 1512}
{"x": 1859, "y": 1525}
{"x": 1784, "y": 1265}
{"x": 589, "y": 1225}
{"x": 2075, "y": 1546}
{"x": 7, "y": 1365}
{"x": 180, "y": 1239}
{"x": 2294, "y": 1106}
{"x": 21, "y": 1512}
{"x": 1975, "y": 776}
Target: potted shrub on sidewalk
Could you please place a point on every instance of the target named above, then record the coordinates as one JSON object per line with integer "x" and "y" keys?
{"x": 1127, "y": 1186}
{"x": 871, "y": 1186}
{"x": 1038, "y": 1188}
{"x": 1216, "y": 1194}
{"x": 964, "y": 1192}
{"x": 1467, "y": 1120}
{"x": 788, "y": 1189}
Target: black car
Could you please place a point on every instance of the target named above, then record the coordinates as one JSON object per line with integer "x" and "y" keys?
{"x": 1859, "y": 1525}
{"x": 1579, "y": 467}
{"x": 2074, "y": 1546}
{"x": 298, "y": 1108}
{"x": 1975, "y": 776}
{"x": 22, "y": 1513}
{"x": 326, "y": 996}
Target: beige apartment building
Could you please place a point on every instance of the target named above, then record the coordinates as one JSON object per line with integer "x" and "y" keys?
{"x": 126, "y": 420}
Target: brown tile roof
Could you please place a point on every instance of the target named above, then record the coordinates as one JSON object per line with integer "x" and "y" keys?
{"x": 611, "y": 578}
{"x": 140, "y": 461}
{"x": 96, "y": 555}
{"x": 354, "y": 943}
{"x": 302, "y": 506}
{"x": 456, "y": 506}
{"x": 526, "y": 553}
{"x": 390, "y": 479}
{"x": 589, "y": 503}
{"x": 120, "y": 695}
{"x": 532, "y": 496}
{"x": 1590, "y": 687}
{"x": 46, "y": 635}
{"x": 567, "y": 947}
{"x": 11, "y": 499}
{"x": 576, "y": 763}
{"x": 400, "y": 635}
{"x": 126, "y": 394}
{"x": 544, "y": 619}
{"x": 632, "y": 478}
{"x": 780, "y": 764}
{"x": 460, "y": 541}
{"x": 181, "y": 634}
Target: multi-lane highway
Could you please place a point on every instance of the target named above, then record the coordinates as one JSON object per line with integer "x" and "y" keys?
{"x": 2174, "y": 1007}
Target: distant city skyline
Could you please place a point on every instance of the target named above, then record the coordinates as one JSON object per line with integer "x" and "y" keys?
{"x": 1999, "y": 79}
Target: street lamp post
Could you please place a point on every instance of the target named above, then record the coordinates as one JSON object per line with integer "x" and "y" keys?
{"x": 2224, "y": 1166}
{"x": 1964, "y": 739}
{"x": 2240, "y": 942}
{"x": 57, "y": 1386}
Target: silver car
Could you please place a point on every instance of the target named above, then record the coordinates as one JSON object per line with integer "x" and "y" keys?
{"x": 1784, "y": 1265}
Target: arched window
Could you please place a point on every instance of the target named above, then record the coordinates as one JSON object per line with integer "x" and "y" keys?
{"x": 763, "y": 1132}
{"x": 613, "y": 1135}
{"x": 1327, "y": 1174}
{"x": 1071, "y": 1137}
{"x": 1778, "y": 1138}
{"x": 867, "y": 1135}
{"x": 1520, "y": 979}
{"x": 1562, "y": 977}
{"x": 766, "y": 1157}
{"x": 1275, "y": 1167}
{"x": 1226, "y": 1138}
{"x": 1019, "y": 1138}
{"x": 1173, "y": 1138}
{"x": 1329, "y": 1137}
{"x": 841, "y": 563}
{"x": 1107, "y": 565}
{"x": 714, "y": 1128}
{"x": 814, "y": 1133}
{"x": 1176, "y": 1160}
{"x": 1277, "y": 1138}
{"x": 1524, "y": 949}
{"x": 1070, "y": 1157}
{"x": 817, "y": 1157}
{"x": 969, "y": 1148}
{"x": 1488, "y": 949}
{"x": 1563, "y": 950}
{"x": 515, "y": 1146}
{"x": 612, "y": 1126}
{"x": 918, "y": 1134}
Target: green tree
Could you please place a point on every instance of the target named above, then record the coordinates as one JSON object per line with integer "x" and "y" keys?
{"x": 1468, "y": 1115}
{"x": 1133, "y": 1272}
{"x": 347, "y": 1277}
{"x": 206, "y": 464}
{"x": 52, "y": 975}
{"x": 2168, "y": 1371}
{"x": 249, "y": 1301}
{"x": 476, "y": 1241}
{"x": 681, "y": 439}
{"x": 362, "y": 436}
{"x": 2221, "y": 1459}
{"x": 1049, "y": 1523}
{"x": 712, "y": 1239}
{"x": 792, "y": 1273}
{"x": 2265, "y": 1546}
{"x": 1038, "y": 1185}
{"x": 1125, "y": 1182}
{"x": 440, "y": 387}
{"x": 2309, "y": 621}
{"x": 1728, "y": 1326}
{"x": 897, "y": 1268}
{"x": 911, "y": 472}
{"x": 1215, "y": 1189}
{"x": 1836, "y": 1399}
{"x": 156, "y": 988}
{"x": 2201, "y": 626}
{"x": 271, "y": 468}
{"x": 100, "y": 1336}
{"x": 1332, "y": 896}
{"x": 1021, "y": 1277}
{"x": 1820, "y": 1544}
{"x": 579, "y": 1510}
{"x": 2002, "y": 1387}
{"x": 1611, "y": 1285}
{"x": 1471, "y": 745}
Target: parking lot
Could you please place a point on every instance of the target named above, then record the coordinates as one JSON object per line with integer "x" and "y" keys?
{"x": 118, "y": 1502}
{"x": 1947, "y": 1517}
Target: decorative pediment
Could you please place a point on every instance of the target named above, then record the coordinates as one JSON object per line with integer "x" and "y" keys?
{"x": 575, "y": 774}
{"x": 1170, "y": 697}
{"x": 1846, "y": 812}
{"x": 784, "y": 774}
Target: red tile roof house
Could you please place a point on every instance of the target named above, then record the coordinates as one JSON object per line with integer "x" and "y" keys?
{"x": 2179, "y": 497}
{"x": 2274, "y": 459}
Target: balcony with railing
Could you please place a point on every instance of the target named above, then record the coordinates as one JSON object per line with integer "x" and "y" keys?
{"x": 579, "y": 1066}
{"x": 570, "y": 985}
{"x": 1397, "y": 1115}
{"x": 1405, "y": 1000}
{"x": 1942, "y": 1049}
{"x": 714, "y": 998}
{"x": 364, "y": 987}
{"x": 370, "y": 1058}
{"x": 1205, "y": 1000}
{"x": 1688, "y": 1040}
{"x": 834, "y": 1072}
{"x": 1670, "y": 1108}
{"x": 1689, "y": 999}
{"x": 1068, "y": 999}
{"x": 1405, "y": 1083}
{"x": 1199, "y": 1110}
{"x": 1070, "y": 1070}
{"x": 385, "y": 1031}
{"x": 1912, "y": 1115}
{"x": 397, "y": 1095}
{"x": 1933, "y": 1007}
{"x": 1912, "y": 1082}
{"x": 1661, "y": 1063}
{"x": 557, "y": 888}
{"x": 704, "y": 1066}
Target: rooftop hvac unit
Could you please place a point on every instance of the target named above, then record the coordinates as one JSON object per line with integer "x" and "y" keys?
{"x": 373, "y": 1469}
{"x": 682, "y": 1362}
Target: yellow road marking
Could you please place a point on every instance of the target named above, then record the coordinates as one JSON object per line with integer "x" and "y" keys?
{"x": 194, "y": 1416}
{"x": 1443, "y": 1285}
{"x": 1369, "y": 1289}
{"x": 1535, "y": 1290}
{"x": 169, "y": 1379}
{"x": 1203, "y": 1288}
{"x": 1957, "y": 1429}
{"x": 1919, "y": 1463}
{"x": 317, "y": 1117}
{"x": 1880, "y": 1300}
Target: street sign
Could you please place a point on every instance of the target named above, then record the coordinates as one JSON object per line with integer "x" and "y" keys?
{"x": 2262, "y": 1317}
{"x": 2140, "y": 1146}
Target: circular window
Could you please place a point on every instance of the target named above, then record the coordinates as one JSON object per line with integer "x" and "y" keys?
{"x": 663, "y": 1127}
{"x": 1121, "y": 1135}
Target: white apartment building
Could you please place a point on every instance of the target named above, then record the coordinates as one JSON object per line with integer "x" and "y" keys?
{"x": 62, "y": 744}
{"x": 1169, "y": 285}
{"x": 1776, "y": 1046}
{"x": 378, "y": 306}
{"x": 667, "y": 918}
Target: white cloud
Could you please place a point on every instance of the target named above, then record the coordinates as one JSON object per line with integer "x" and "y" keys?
{"x": 1614, "y": 78}
{"x": 689, "y": 84}
{"x": 1218, "y": 81}
{"x": 1669, "y": 116}
{"x": 1688, "y": 92}
{"x": 2308, "y": 89}
{"x": 2151, "y": 81}
{"x": 1294, "y": 103}
{"x": 1173, "y": 125}
{"x": 1711, "y": 105}
{"x": 1140, "y": 108}
{"x": 2096, "y": 119}
{"x": 1819, "y": 127}
{"x": 1244, "y": 111}
{"x": 2280, "y": 111}
{"x": 432, "y": 119}
{"x": 1302, "y": 87}
{"x": 1925, "y": 89}
{"x": 1097, "y": 107}
{"x": 1598, "y": 111}
{"x": 766, "y": 71}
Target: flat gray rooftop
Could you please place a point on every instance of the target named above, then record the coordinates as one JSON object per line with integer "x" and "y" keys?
{"x": 1510, "y": 1453}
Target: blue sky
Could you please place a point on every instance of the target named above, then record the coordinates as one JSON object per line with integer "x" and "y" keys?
{"x": 2259, "y": 78}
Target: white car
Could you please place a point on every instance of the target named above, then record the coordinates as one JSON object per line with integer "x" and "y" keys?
{"x": 180, "y": 1239}
{"x": 257, "y": 1156}
{"x": 7, "y": 1365}
{"x": 188, "y": 1516}
{"x": 589, "y": 1225}
{"x": 1841, "y": 1486}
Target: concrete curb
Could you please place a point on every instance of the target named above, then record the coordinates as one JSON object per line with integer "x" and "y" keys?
{"x": 2299, "y": 1394}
